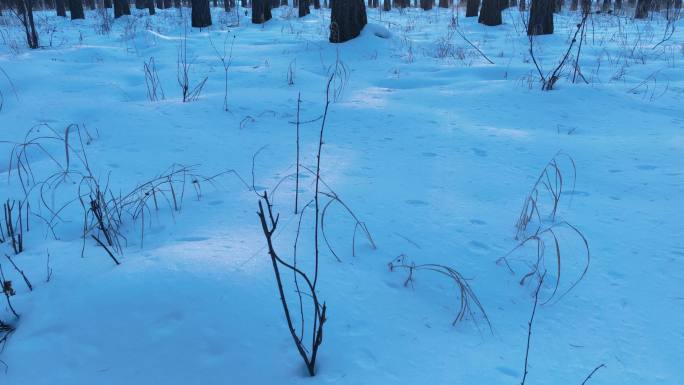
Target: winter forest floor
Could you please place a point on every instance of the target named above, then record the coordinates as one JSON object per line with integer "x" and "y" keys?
{"x": 429, "y": 144}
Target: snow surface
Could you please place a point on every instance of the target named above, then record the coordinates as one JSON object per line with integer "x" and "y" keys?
{"x": 434, "y": 152}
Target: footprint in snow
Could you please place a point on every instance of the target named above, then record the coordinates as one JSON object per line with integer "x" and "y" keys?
{"x": 417, "y": 202}
{"x": 192, "y": 239}
{"x": 479, "y": 152}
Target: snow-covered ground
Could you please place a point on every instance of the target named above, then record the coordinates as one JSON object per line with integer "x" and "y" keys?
{"x": 434, "y": 148}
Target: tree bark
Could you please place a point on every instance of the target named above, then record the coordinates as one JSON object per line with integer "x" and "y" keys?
{"x": 642, "y": 8}
{"x": 586, "y": 6}
{"x": 261, "y": 11}
{"x": 139, "y": 4}
{"x": 605, "y": 7}
{"x": 201, "y": 14}
{"x": 25, "y": 14}
{"x": 347, "y": 19}
{"x": 472, "y": 6}
{"x": 76, "y": 9}
{"x": 541, "y": 18}
{"x": 386, "y": 5}
{"x": 503, "y": 4}
{"x": 150, "y": 7}
{"x": 304, "y": 8}
{"x": 490, "y": 13}
{"x": 121, "y": 7}
{"x": 426, "y": 5}
{"x": 60, "y": 7}
{"x": 445, "y": 3}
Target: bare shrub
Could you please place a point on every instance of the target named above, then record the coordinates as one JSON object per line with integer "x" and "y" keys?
{"x": 469, "y": 305}
{"x": 155, "y": 91}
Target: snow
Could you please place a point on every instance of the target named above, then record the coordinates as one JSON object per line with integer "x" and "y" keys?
{"x": 434, "y": 152}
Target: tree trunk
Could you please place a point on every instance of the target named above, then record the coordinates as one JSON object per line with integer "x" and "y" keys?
{"x": 618, "y": 5}
{"x": 574, "y": 4}
{"x": 317, "y": 4}
{"x": 586, "y": 6}
{"x": 558, "y": 6}
{"x": 605, "y": 7}
{"x": 472, "y": 6}
{"x": 201, "y": 14}
{"x": 90, "y": 4}
{"x": 642, "y": 9}
{"x": 261, "y": 11}
{"x": 76, "y": 9}
{"x": 304, "y": 8}
{"x": 503, "y": 4}
{"x": 490, "y": 13}
{"x": 426, "y": 5}
{"x": 25, "y": 15}
{"x": 347, "y": 19}
{"x": 150, "y": 7}
{"x": 541, "y": 18}
{"x": 522, "y": 5}
{"x": 445, "y": 3}
{"x": 60, "y": 7}
{"x": 386, "y": 5}
{"x": 107, "y": 4}
{"x": 139, "y": 4}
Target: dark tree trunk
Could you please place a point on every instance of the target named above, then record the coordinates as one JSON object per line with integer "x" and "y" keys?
{"x": 472, "y": 7}
{"x": 215, "y": 3}
{"x": 605, "y": 7}
{"x": 586, "y": 6}
{"x": 25, "y": 14}
{"x": 304, "y": 8}
{"x": 574, "y": 4}
{"x": 201, "y": 14}
{"x": 541, "y": 18}
{"x": 347, "y": 19}
{"x": 107, "y": 3}
{"x": 522, "y": 5}
{"x": 261, "y": 11}
{"x": 139, "y": 4}
{"x": 167, "y": 3}
{"x": 160, "y": 4}
{"x": 226, "y": 5}
{"x": 386, "y": 5}
{"x": 445, "y": 3}
{"x": 60, "y": 7}
{"x": 503, "y": 4}
{"x": 426, "y": 5}
{"x": 642, "y": 9}
{"x": 618, "y": 5}
{"x": 150, "y": 7}
{"x": 177, "y": 3}
{"x": 558, "y": 6}
{"x": 76, "y": 9}
{"x": 490, "y": 13}
{"x": 125, "y": 7}
{"x": 90, "y": 4}
{"x": 317, "y": 4}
